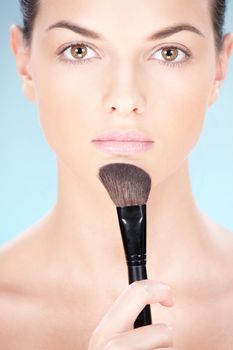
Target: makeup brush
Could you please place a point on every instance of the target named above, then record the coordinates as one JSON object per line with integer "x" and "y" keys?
{"x": 129, "y": 186}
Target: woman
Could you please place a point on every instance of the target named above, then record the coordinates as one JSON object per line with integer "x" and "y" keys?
{"x": 64, "y": 281}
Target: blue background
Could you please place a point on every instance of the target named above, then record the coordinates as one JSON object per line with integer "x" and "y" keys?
{"x": 28, "y": 181}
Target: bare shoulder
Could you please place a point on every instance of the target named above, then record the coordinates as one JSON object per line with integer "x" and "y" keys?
{"x": 215, "y": 273}
{"x": 16, "y": 305}
{"x": 224, "y": 243}
{"x": 27, "y": 312}
{"x": 224, "y": 304}
{"x": 19, "y": 259}
{"x": 24, "y": 266}
{"x": 21, "y": 319}
{"x": 221, "y": 261}
{"x": 24, "y": 252}
{"x": 221, "y": 238}
{"x": 35, "y": 308}
{"x": 223, "y": 246}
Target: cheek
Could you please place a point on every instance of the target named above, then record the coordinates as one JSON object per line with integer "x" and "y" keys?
{"x": 180, "y": 101}
{"x": 63, "y": 110}
{"x": 184, "y": 107}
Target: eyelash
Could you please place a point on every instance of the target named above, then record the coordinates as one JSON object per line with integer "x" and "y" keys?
{"x": 87, "y": 60}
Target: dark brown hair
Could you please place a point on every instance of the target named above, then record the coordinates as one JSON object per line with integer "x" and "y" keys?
{"x": 30, "y": 8}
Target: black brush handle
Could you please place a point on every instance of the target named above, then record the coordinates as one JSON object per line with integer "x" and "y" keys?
{"x": 138, "y": 273}
{"x": 132, "y": 221}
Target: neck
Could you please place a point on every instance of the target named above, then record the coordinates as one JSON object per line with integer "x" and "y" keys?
{"x": 86, "y": 230}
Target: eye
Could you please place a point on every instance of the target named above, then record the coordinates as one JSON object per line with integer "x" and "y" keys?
{"x": 77, "y": 53}
{"x": 172, "y": 55}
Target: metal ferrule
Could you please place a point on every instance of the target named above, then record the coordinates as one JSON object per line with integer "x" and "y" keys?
{"x": 132, "y": 221}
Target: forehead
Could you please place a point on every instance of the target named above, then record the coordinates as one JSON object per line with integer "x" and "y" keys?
{"x": 125, "y": 18}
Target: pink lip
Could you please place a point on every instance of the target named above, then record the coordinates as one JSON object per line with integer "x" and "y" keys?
{"x": 123, "y": 136}
{"x": 129, "y": 142}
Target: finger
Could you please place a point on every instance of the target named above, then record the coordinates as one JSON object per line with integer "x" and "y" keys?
{"x": 123, "y": 312}
{"x": 165, "y": 349}
{"x": 147, "y": 337}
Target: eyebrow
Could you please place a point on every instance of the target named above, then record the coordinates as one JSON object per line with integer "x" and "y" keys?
{"x": 164, "y": 33}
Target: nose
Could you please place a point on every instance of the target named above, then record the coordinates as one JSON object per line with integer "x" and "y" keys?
{"x": 123, "y": 96}
{"x": 125, "y": 105}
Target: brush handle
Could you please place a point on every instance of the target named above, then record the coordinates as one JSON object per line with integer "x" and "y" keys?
{"x": 138, "y": 273}
{"x": 132, "y": 221}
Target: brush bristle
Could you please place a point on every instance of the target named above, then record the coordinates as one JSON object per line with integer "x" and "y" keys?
{"x": 126, "y": 184}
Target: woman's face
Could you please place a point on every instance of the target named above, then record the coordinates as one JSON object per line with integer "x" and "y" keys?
{"x": 129, "y": 84}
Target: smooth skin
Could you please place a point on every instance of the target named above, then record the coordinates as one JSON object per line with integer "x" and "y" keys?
{"x": 61, "y": 277}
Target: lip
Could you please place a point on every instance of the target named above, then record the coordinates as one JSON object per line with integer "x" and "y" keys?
{"x": 123, "y": 136}
{"x": 117, "y": 142}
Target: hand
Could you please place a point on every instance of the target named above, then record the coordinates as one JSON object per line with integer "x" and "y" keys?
{"x": 115, "y": 331}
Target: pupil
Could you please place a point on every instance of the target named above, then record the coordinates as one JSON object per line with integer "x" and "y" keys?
{"x": 79, "y": 50}
{"x": 169, "y": 52}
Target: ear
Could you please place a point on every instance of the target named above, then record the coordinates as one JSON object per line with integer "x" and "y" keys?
{"x": 22, "y": 55}
{"x": 222, "y": 65}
